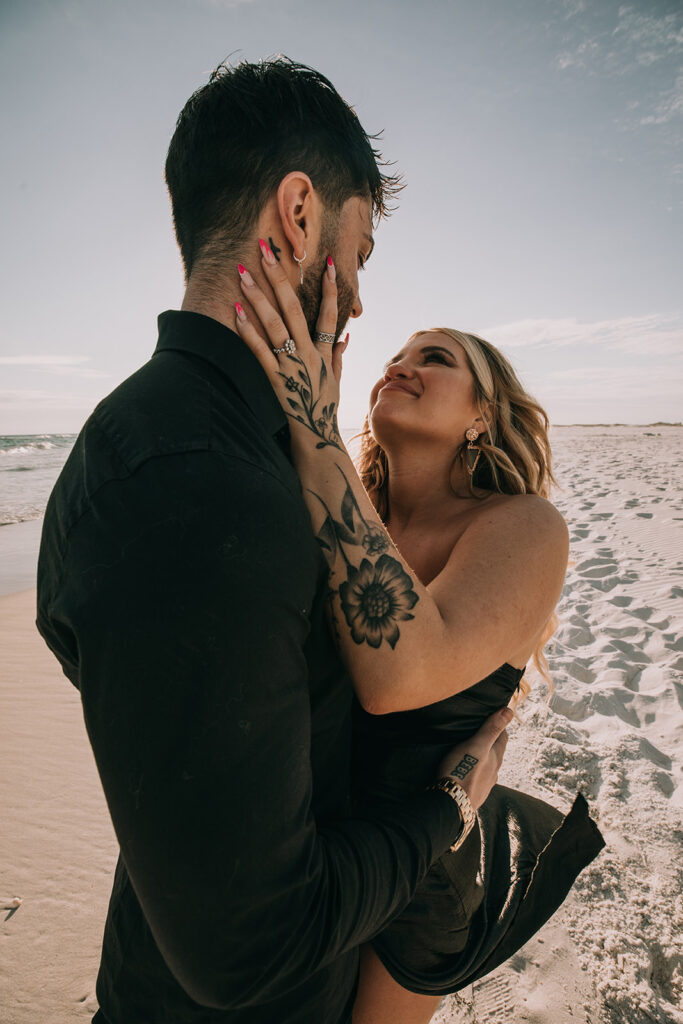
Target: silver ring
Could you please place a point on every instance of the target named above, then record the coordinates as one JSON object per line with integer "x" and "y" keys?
{"x": 329, "y": 339}
{"x": 289, "y": 347}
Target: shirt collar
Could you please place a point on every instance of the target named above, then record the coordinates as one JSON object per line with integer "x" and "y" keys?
{"x": 199, "y": 335}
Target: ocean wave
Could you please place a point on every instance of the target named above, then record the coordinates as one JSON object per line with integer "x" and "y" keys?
{"x": 25, "y": 449}
{"x": 12, "y": 518}
{"x": 25, "y": 444}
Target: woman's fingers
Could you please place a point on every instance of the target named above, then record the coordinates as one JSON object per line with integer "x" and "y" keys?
{"x": 288, "y": 320}
{"x": 327, "y": 315}
{"x": 258, "y": 345}
{"x": 274, "y": 326}
{"x": 337, "y": 356}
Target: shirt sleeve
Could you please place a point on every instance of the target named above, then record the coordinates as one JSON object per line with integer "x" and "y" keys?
{"x": 186, "y": 592}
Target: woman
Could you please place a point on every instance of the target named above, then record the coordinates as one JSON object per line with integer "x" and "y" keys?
{"x": 444, "y": 574}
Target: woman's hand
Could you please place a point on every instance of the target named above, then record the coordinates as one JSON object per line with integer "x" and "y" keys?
{"x": 305, "y": 374}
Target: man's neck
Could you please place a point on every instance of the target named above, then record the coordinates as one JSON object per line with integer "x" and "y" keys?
{"x": 215, "y": 298}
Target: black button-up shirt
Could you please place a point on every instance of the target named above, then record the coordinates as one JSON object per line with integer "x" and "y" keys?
{"x": 181, "y": 588}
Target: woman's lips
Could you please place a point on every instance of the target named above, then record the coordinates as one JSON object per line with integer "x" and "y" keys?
{"x": 395, "y": 385}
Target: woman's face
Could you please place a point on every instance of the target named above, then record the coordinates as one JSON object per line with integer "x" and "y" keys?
{"x": 426, "y": 389}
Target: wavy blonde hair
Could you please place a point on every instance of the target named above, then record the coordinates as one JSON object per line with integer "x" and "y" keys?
{"x": 515, "y": 457}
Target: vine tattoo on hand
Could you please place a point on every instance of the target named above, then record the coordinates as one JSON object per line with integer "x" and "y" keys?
{"x": 305, "y": 409}
{"x": 377, "y": 594}
{"x": 464, "y": 767}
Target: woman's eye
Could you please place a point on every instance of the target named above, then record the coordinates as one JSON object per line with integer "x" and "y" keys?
{"x": 361, "y": 262}
{"x": 429, "y": 356}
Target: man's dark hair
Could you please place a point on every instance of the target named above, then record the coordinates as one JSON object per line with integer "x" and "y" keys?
{"x": 242, "y": 132}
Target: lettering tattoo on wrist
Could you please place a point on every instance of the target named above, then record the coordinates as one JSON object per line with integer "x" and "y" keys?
{"x": 275, "y": 248}
{"x": 377, "y": 593}
{"x": 464, "y": 767}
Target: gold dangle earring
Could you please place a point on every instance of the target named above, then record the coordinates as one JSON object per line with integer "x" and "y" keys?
{"x": 300, "y": 261}
{"x": 472, "y": 436}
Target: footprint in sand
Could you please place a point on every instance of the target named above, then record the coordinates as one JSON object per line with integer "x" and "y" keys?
{"x": 644, "y": 515}
{"x": 616, "y": 701}
{"x": 621, "y": 601}
{"x": 596, "y": 568}
{"x": 493, "y": 999}
{"x": 574, "y": 710}
{"x": 580, "y": 669}
{"x": 642, "y": 613}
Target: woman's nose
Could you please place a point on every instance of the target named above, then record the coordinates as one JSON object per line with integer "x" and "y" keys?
{"x": 397, "y": 369}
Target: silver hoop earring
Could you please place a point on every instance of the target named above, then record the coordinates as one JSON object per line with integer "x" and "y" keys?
{"x": 300, "y": 261}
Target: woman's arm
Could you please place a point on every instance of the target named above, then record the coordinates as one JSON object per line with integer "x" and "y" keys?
{"x": 405, "y": 645}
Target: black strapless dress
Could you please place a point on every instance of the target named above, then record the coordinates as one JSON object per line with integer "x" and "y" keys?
{"x": 476, "y": 907}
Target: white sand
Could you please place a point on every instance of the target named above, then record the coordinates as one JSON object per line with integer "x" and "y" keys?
{"x": 57, "y": 847}
{"x": 614, "y": 951}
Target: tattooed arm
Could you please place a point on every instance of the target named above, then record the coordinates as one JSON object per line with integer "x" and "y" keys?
{"x": 405, "y": 645}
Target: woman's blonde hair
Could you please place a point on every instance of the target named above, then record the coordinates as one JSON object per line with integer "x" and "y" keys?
{"x": 515, "y": 450}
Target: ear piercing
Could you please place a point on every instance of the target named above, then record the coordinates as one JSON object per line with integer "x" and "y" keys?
{"x": 300, "y": 261}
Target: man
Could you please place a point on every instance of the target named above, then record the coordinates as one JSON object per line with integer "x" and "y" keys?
{"x": 182, "y": 590}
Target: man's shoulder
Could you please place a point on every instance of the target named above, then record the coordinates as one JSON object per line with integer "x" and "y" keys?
{"x": 165, "y": 406}
{"x": 167, "y": 414}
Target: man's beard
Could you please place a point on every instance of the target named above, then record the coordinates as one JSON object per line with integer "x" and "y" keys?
{"x": 310, "y": 292}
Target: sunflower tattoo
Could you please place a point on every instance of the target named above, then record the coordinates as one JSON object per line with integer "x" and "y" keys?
{"x": 376, "y": 595}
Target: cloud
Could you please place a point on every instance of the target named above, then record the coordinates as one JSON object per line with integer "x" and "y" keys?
{"x": 637, "y": 40}
{"x": 598, "y": 384}
{"x": 653, "y": 334}
{"x": 27, "y": 399}
{"x": 670, "y": 105}
{"x": 581, "y": 57}
{"x": 63, "y": 366}
{"x": 42, "y": 360}
{"x": 650, "y": 37}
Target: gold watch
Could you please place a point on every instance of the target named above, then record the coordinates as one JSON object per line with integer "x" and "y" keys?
{"x": 467, "y": 812}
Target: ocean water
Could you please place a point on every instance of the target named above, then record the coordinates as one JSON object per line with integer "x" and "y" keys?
{"x": 29, "y": 466}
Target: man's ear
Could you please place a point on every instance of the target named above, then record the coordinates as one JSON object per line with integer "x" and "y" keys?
{"x": 300, "y": 210}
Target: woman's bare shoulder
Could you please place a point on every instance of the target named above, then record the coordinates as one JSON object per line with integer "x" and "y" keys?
{"x": 521, "y": 513}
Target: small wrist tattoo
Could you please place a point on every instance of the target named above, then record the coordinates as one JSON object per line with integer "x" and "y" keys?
{"x": 275, "y": 248}
{"x": 465, "y": 766}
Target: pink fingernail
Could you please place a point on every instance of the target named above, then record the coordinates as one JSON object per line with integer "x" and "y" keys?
{"x": 240, "y": 312}
{"x": 245, "y": 275}
{"x": 241, "y": 269}
{"x": 330, "y": 261}
{"x": 268, "y": 254}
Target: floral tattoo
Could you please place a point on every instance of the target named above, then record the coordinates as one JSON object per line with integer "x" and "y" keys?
{"x": 376, "y": 595}
{"x": 321, "y": 422}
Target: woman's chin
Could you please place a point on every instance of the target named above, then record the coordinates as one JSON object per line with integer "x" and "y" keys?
{"x": 386, "y": 419}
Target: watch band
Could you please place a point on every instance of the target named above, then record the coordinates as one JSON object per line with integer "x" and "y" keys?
{"x": 467, "y": 812}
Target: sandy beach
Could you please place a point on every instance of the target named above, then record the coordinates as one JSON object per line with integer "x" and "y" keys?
{"x": 613, "y": 728}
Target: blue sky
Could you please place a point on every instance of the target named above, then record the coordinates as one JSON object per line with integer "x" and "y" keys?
{"x": 540, "y": 140}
